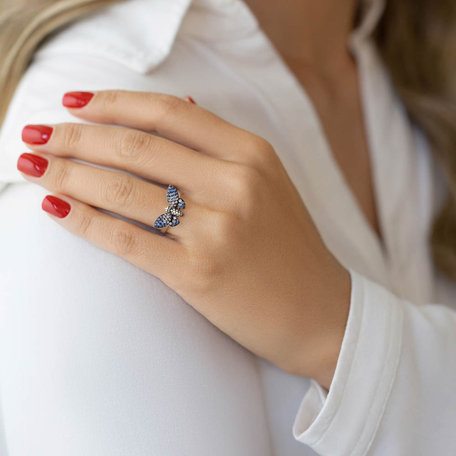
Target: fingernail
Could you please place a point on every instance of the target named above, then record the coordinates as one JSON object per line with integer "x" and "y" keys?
{"x": 76, "y": 99}
{"x": 36, "y": 134}
{"x": 32, "y": 164}
{"x": 55, "y": 206}
{"x": 190, "y": 99}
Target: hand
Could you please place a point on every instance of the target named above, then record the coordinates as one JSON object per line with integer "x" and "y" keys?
{"x": 245, "y": 254}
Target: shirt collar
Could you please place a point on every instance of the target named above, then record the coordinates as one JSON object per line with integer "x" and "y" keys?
{"x": 141, "y": 33}
{"x": 371, "y": 12}
{"x": 233, "y": 19}
{"x": 135, "y": 33}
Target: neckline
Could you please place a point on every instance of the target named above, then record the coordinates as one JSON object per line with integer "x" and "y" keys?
{"x": 344, "y": 211}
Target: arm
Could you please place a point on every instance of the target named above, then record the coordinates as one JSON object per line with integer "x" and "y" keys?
{"x": 97, "y": 357}
{"x": 394, "y": 386}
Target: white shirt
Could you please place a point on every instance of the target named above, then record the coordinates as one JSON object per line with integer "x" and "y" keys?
{"x": 394, "y": 388}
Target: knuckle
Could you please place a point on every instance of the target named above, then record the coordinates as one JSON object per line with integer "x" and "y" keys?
{"x": 107, "y": 99}
{"x": 119, "y": 191}
{"x": 261, "y": 151}
{"x": 207, "y": 266}
{"x": 71, "y": 135}
{"x": 203, "y": 272}
{"x": 167, "y": 105}
{"x": 123, "y": 241}
{"x": 133, "y": 145}
{"x": 244, "y": 181}
{"x": 223, "y": 228}
{"x": 258, "y": 143}
{"x": 84, "y": 226}
{"x": 61, "y": 175}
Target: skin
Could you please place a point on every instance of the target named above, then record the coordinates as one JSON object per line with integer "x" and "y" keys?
{"x": 273, "y": 287}
{"x": 311, "y": 37}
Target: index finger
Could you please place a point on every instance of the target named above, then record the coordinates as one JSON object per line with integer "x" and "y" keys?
{"x": 168, "y": 115}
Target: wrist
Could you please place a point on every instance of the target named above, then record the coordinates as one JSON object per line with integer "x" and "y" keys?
{"x": 320, "y": 352}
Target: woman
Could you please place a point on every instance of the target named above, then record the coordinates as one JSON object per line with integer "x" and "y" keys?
{"x": 297, "y": 300}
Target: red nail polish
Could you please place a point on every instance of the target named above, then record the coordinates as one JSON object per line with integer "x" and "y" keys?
{"x": 76, "y": 99}
{"x": 32, "y": 164}
{"x": 36, "y": 134}
{"x": 55, "y": 206}
{"x": 190, "y": 99}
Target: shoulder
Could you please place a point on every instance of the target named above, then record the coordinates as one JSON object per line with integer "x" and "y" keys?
{"x": 117, "y": 47}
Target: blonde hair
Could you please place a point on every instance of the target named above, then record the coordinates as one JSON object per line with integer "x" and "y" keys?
{"x": 416, "y": 39}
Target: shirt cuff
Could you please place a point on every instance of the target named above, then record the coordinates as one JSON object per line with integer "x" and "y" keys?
{"x": 343, "y": 422}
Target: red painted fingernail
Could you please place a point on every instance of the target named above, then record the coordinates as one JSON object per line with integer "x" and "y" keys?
{"x": 190, "y": 99}
{"x": 32, "y": 164}
{"x": 55, "y": 206}
{"x": 36, "y": 134}
{"x": 76, "y": 99}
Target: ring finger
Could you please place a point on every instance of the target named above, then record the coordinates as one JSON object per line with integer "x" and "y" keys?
{"x": 115, "y": 191}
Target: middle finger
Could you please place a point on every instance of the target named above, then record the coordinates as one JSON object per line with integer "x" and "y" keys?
{"x": 140, "y": 153}
{"x": 115, "y": 191}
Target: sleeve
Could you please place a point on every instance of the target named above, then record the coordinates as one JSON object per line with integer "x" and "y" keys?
{"x": 98, "y": 357}
{"x": 394, "y": 387}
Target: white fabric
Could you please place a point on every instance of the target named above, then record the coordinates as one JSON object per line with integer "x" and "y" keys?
{"x": 100, "y": 358}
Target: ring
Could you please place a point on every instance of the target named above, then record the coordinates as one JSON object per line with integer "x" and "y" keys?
{"x": 172, "y": 211}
